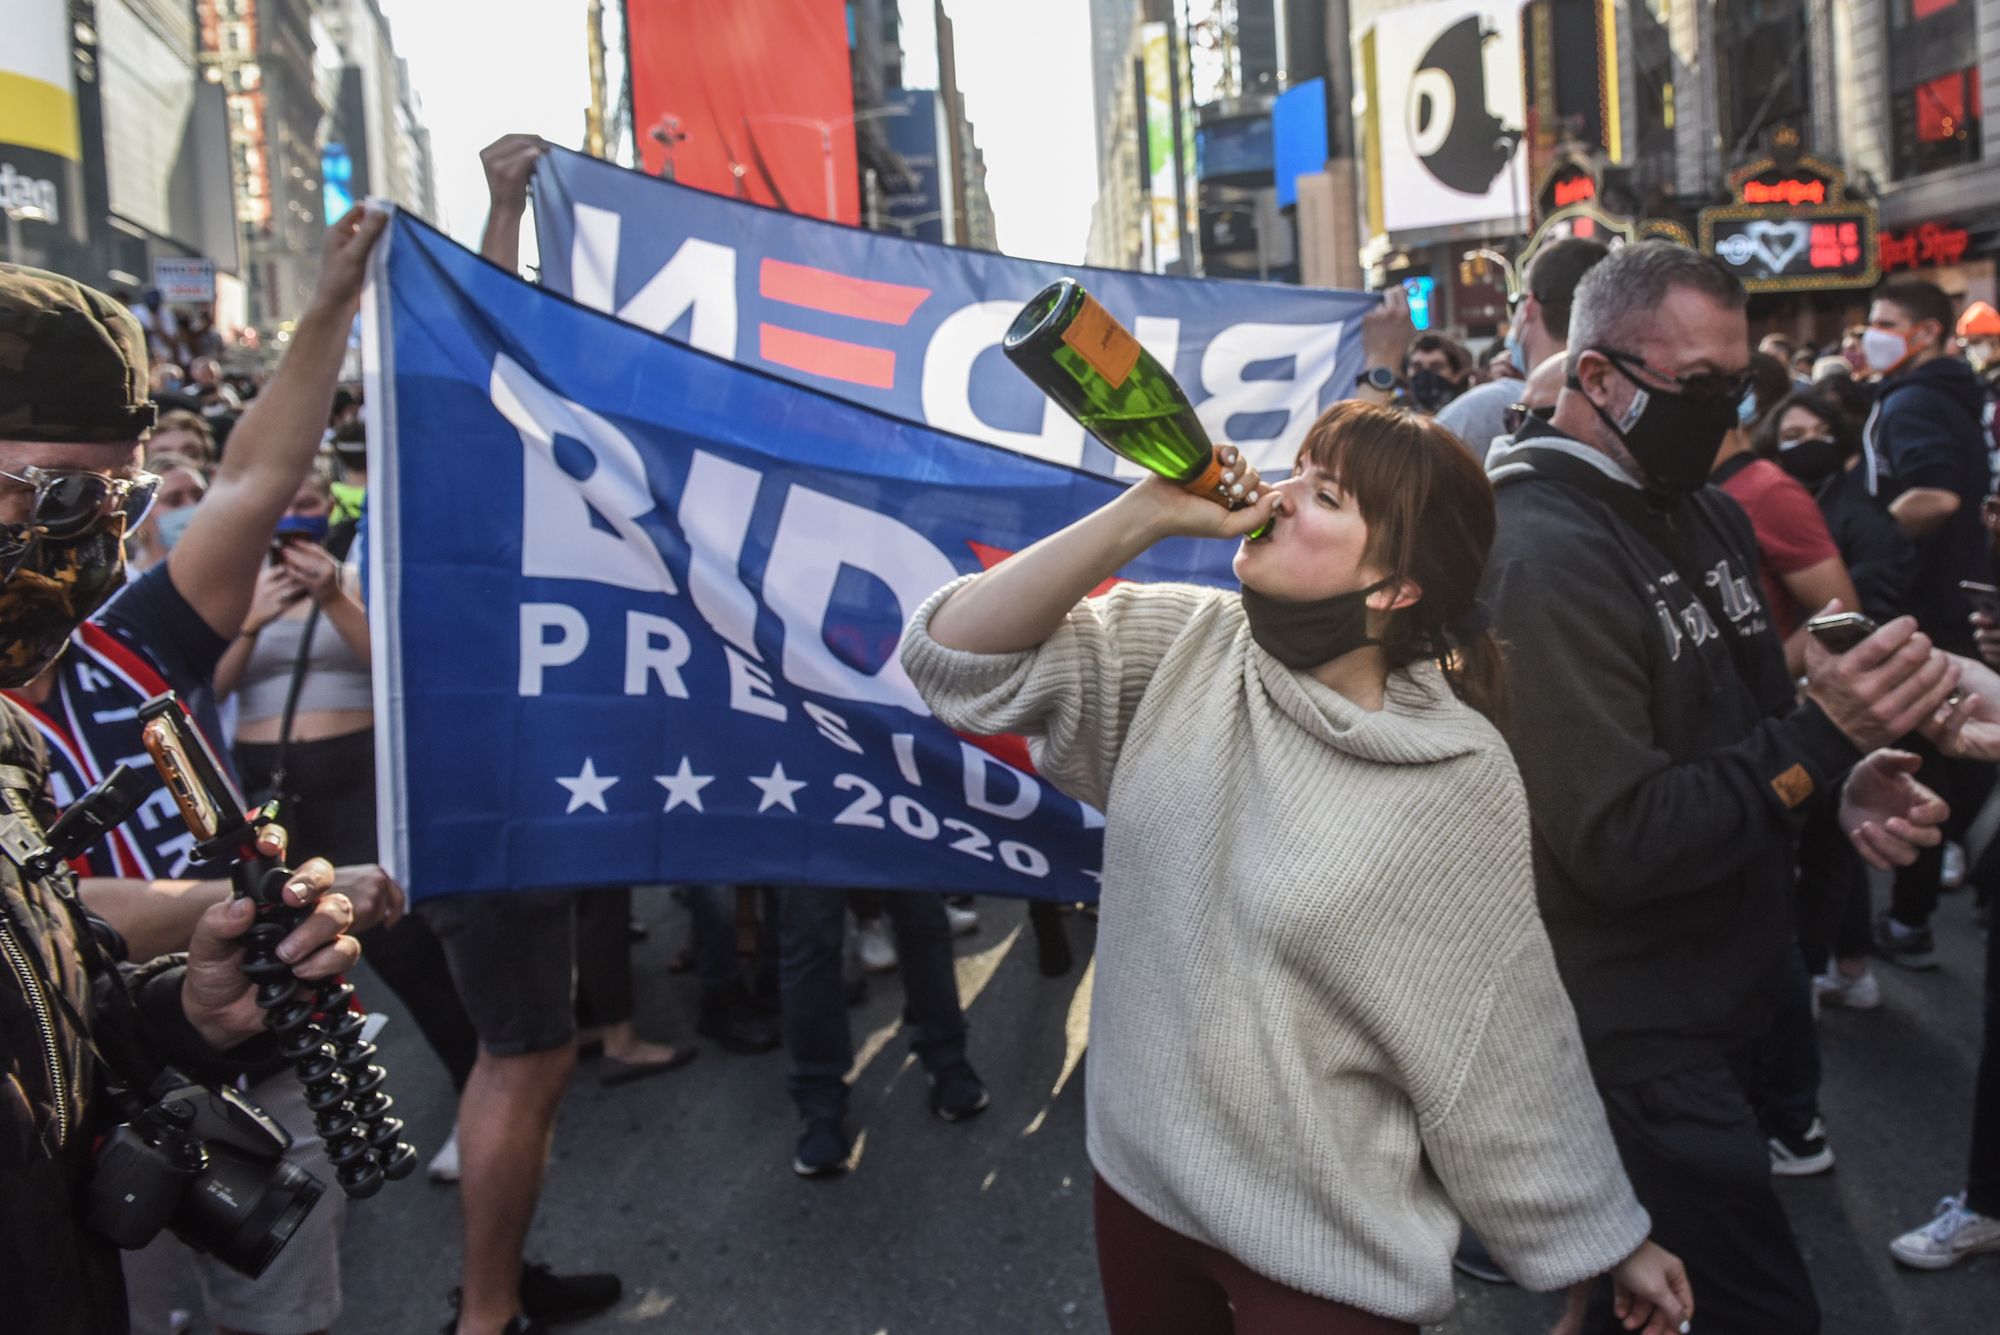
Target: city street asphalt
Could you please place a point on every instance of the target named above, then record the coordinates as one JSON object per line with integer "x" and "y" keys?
{"x": 682, "y": 1184}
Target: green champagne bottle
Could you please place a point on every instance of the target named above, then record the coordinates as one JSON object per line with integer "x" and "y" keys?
{"x": 1072, "y": 348}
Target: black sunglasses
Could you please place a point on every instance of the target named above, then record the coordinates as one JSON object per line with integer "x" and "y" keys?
{"x": 1517, "y": 416}
{"x": 69, "y": 502}
{"x": 1701, "y": 385}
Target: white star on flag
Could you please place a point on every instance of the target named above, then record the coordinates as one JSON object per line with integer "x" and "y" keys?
{"x": 587, "y": 789}
{"x": 684, "y": 785}
{"x": 777, "y": 790}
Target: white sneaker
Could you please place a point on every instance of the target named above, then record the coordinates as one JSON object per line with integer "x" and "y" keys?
{"x": 878, "y": 950}
{"x": 964, "y": 921}
{"x": 1955, "y": 1234}
{"x": 1834, "y": 988}
{"x": 444, "y": 1164}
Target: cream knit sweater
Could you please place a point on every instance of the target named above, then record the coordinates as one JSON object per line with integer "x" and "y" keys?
{"x": 1327, "y": 1022}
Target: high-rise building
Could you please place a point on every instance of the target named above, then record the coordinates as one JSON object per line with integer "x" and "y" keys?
{"x": 264, "y": 55}
{"x": 375, "y": 133}
{"x": 969, "y": 208}
{"x": 1183, "y": 90}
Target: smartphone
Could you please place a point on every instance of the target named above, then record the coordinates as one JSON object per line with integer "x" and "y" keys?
{"x": 282, "y": 541}
{"x": 201, "y": 787}
{"x": 1983, "y": 597}
{"x": 1841, "y": 631}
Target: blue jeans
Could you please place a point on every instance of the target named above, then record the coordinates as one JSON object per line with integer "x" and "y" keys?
{"x": 812, "y": 933}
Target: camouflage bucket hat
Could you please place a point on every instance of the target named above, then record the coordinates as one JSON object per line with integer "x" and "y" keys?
{"x": 72, "y": 362}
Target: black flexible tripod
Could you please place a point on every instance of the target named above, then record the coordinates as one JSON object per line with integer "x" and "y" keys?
{"x": 320, "y": 1034}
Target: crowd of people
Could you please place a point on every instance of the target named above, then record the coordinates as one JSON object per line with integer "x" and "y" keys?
{"x": 1536, "y": 820}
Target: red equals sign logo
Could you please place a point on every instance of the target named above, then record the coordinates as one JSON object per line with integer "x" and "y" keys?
{"x": 835, "y": 294}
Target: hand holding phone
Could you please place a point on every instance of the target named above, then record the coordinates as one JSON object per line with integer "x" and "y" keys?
{"x": 1841, "y": 631}
{"x": 1983, "y": 597}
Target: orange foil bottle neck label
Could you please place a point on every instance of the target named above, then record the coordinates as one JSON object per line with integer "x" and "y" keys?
{"x": 1208, "y": 484}
{"x": 1101, "y": 341}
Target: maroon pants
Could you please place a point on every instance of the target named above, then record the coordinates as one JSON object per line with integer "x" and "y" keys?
{"x": 1157, "y": 1282}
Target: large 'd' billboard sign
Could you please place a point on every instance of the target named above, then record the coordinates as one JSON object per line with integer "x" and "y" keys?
{"x": 636, "y": 610}
{"x": 1445, "y": 101}
{"x": 914, "y": 329}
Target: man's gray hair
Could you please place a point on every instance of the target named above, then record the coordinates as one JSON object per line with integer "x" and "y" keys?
{"x": 1620, "y": 296}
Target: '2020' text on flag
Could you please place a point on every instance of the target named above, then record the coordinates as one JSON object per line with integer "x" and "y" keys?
{"x": 914, "y": 328}
{"x": 636, "y": 610}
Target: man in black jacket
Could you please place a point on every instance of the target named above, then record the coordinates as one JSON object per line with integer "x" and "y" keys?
{"x": 1667, "y": 769}
{"x": 1926, "y": 448}
{"x": 72, "y": 410}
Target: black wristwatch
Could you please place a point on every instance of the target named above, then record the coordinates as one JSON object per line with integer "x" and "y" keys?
{"x": 1380, "y": 379}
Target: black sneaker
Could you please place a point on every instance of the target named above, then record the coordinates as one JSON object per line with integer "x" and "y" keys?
{"x": 823, "y": 1149}
{"x": 1801, "y": 1155}
{"x": 730, "y": 1020}
{"x": 958, "y": 1093}
{"x": 1911, "y": 947}
{"x": 551, "y": 1298}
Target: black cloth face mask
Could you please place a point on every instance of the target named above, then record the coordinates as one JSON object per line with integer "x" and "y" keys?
{"x": 1303, "y": 635}
{"x": 1812, "y": 460}
{"x": 53, "y": 587}
{"x": 1431, "y": 390}
{"x": 1672, "y": 437}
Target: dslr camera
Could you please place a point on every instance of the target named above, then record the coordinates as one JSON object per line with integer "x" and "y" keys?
{"x": 207, "y": 1164}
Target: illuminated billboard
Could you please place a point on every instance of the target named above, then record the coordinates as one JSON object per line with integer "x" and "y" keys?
{"x": 1444, "y": 93}
{"x": 39, "y": 139}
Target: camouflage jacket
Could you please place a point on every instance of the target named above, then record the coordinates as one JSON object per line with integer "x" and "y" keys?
{"x": 56, "y": 1278}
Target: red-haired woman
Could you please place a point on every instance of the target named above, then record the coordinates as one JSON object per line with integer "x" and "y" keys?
{"x": 1327, "y": 1022}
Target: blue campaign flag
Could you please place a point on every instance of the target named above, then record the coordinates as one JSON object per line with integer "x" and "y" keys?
{"x": 914, "y": 329}
{"x": 636, "y": 610}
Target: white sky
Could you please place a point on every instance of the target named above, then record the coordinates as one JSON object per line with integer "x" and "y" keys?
{"x": 1023, "y": 66}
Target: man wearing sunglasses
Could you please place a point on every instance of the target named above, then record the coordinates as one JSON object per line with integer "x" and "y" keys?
{"x": 73, "y": 409}
{"x": 1667, "y": 766}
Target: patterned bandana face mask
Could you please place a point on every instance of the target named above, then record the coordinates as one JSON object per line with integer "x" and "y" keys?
{"x": 52, "y": 588}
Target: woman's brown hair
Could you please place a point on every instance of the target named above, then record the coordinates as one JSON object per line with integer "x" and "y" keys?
{"x": 1429, "y": 512}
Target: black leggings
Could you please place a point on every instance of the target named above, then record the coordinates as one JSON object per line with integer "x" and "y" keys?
{"x": 328, "y": 810}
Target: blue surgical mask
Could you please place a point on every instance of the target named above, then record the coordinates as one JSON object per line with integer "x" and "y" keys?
{"x": 310, "y": 526}
{"x": 1746, "y": 408}
{"x": 172, "y": 523}
{"x": 1517, "y": 352}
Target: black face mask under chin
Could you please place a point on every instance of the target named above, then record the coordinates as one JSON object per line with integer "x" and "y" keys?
{"x": 52, "y": 588}
{"x": 1672, "y": 437}
{"x": 1308, "y": 634}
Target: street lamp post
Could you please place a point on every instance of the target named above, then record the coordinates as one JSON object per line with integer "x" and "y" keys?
{"x": 826, "y": 129}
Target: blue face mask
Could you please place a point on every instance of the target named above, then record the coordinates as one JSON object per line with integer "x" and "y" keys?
{"x": 1517, "y": 352}
{"x": 309, "y": 526}
{"x": 1746, "y": 408}
{"x": 172, "y": 523}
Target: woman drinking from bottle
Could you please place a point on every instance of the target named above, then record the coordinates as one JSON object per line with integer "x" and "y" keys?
{"x": 1327, "y": 1022}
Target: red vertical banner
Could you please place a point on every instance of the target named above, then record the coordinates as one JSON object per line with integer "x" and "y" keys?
{"x": 752, "y": 99}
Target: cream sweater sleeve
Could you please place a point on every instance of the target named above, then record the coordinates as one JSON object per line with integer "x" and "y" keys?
{"x": 1074, "y": 696}
{"x": 1523, "y": 1147}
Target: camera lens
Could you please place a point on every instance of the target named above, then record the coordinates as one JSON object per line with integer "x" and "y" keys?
{"x": 243, "y": 1210}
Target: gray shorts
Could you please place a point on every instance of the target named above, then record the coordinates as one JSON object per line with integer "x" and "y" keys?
{"x": 298, "y": 1294}
{"x": 513, "y": 960}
